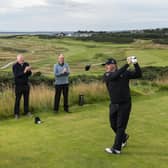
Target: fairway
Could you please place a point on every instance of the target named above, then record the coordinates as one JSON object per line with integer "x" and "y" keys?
{"x": 42, "y": 53}
{"x": 77, "y": 140}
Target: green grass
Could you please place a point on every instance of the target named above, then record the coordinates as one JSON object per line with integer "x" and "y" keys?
{"x": 77, "y": 140}
{"x": 151, "y": 57}
{"x": 42, "y": 53}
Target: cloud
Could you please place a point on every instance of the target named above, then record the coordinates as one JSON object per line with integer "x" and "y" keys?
{"x": 82, "y": 1}
{"x": 9, "y": 6}
{"x": 28, "y": 3}
{"x": 53, "y": 15}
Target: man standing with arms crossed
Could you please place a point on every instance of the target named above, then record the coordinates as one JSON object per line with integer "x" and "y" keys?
{"x": 21, "y": 71}
{"x": 61, "y": 73}
{"x": 117, "y": 82}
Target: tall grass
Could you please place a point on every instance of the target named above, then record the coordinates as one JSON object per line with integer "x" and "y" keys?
{"x": 162, "y": 82}
{"x": 93, "y": 92}
{"x": 6, "y": 102}
{"x": 42, "y": 97}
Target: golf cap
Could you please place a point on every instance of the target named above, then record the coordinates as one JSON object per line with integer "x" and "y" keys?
{"x": 110, "y": 61}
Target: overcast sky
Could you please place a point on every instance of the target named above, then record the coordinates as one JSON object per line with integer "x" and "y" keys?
{"x": 73, "y": 15}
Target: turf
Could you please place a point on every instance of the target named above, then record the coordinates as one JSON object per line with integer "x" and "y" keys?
{"x": 77, "y": 140}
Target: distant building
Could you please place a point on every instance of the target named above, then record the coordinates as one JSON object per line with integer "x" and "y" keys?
{"x": 82, "y": 34}
{"x": 62, "y": 34}
{"x": 69, "y": 35}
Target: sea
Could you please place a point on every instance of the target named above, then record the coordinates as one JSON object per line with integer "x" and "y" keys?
{"x": 36, "y": 33}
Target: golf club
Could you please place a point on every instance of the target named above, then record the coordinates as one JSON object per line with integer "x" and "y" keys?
{"x": 88, "y": 66}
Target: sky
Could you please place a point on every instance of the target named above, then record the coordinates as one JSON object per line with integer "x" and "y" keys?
{"x": 74, "y": 15}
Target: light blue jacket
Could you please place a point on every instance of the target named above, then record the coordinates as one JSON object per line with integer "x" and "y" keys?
{"x": 60, "y": 77}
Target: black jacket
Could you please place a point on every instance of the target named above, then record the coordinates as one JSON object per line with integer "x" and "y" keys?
{"x": 118, "y": 83}
{"x": 21, "y": 78}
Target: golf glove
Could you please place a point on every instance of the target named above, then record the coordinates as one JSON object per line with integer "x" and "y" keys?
{"x": 129, "y": 60}
{"x": 134, "y": 59}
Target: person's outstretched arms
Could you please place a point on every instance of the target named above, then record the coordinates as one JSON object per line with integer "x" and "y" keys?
{"x": 113, "y": 75}
{"x": 137, "y": 73}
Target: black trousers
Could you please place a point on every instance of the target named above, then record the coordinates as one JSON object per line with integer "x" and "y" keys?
{"x": 119, "y": 116}
{"x": 19, "y": 91}
{"x": 58, "y": 90}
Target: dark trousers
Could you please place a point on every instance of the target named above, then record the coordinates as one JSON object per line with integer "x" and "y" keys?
{"x": 119, "y": 116}
{"x": 19, "y": 91}
{"x": 58, "y": 90}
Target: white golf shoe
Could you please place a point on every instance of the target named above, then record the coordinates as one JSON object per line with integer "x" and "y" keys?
{"x": 112, "y": 151}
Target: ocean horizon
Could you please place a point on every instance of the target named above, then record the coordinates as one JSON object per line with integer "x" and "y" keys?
{"x": 33, "y": 32}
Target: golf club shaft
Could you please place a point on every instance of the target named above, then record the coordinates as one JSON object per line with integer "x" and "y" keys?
{"x": 121, "y": 60}
{"x": 103, "y": 63}
{"x": 97, "y": 64}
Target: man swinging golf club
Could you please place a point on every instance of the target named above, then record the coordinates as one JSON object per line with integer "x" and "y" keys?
{"x": 117, "y": 82}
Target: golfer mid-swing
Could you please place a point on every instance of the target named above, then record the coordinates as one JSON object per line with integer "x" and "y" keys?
{"x": 117, "y": 82}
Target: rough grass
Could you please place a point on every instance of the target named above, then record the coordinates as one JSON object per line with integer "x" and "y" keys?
{"x": 78, "y": 139}
{"x": 42, "y": 96}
